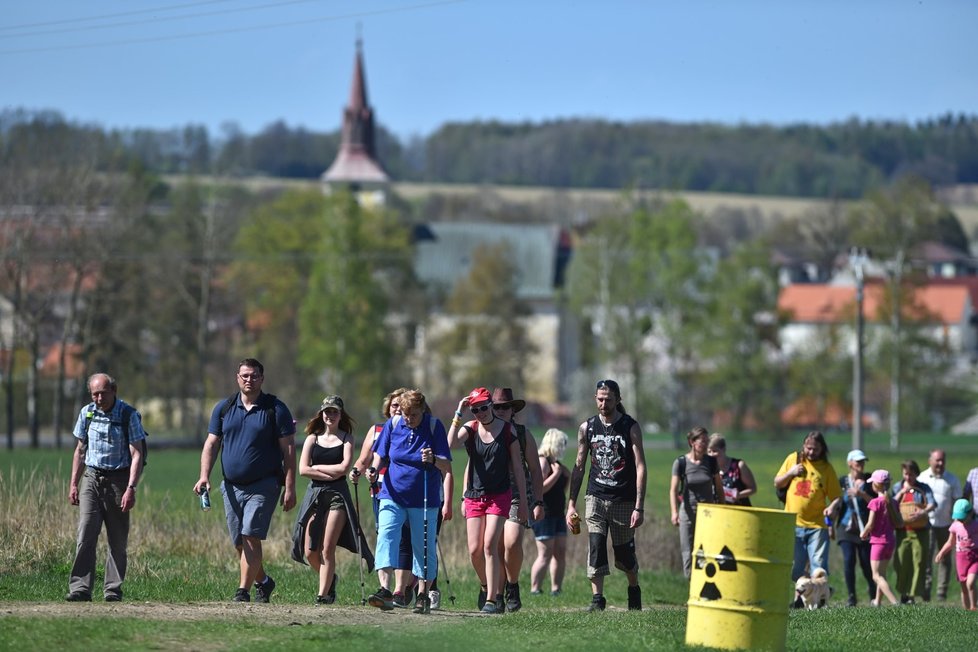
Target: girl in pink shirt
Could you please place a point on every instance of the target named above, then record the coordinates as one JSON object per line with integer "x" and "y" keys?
{"x": 964, "y": 539}
{"x": 880, "y": 529}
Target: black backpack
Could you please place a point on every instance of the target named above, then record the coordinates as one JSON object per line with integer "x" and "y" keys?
{"x": 127, "y": 411}
{"x": 783, "y": 491}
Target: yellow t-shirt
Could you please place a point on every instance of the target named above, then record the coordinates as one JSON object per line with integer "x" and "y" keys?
{"x": 811, "y": 493}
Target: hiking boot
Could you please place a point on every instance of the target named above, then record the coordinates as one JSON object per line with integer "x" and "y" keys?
{"x": 242, "y": 595}
{"x": 263, "y": 590}
{"x": 434, "y": 595}
{"x": 489, "y": 608}
{"x": 383, "y": 599}
{"x": 331, "y": 594}
{"x": 500, "y": 604}
{"x": 401, "y": 601}
{"x": 113, "y": 597}
{"x": 513, "y": 602}
{"x": 78, "y": 597}
{"x": 423, "y": 604}
{"x": 635, "y": 598}
{"x": 851, "y": 602}
{"x": 480, "y": 602}
{"x": 598, "y": 603}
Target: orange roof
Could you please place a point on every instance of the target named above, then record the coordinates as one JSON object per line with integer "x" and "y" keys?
{"x": 817, "y": 302}
{"x": 74, "y": 368}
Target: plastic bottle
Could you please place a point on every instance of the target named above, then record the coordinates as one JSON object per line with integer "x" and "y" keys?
{"x": 205, "y": 499}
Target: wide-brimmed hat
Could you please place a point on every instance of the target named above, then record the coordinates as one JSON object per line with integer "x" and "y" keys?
{"x": 479, "y": 395}
{"x": 504, "y": 395}
{"x": 331, "y": 401}
{"x": 961, "y": 508}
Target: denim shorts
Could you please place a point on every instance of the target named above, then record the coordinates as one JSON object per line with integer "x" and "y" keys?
{"x": 549, "y": 527}
{"x": 249, "y": 507}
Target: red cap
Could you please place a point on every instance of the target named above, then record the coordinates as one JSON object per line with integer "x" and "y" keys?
{"x": 479, "y": 395}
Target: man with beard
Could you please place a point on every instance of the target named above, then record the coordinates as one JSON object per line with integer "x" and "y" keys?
{"x": 615, "y": 496}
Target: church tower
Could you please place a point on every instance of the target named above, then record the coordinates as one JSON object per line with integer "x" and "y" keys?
{"x": 356, "y": 166}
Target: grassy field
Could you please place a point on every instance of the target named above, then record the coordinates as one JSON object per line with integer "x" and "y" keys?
{"x": 182, "y": 575}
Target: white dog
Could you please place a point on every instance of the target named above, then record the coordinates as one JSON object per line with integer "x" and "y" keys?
{"x": 814, "y": 591}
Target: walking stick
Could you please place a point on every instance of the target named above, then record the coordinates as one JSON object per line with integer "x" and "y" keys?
{"x": 426, "y": 527}
{"x": 443, "y": 570}
{"x": 356, "y": 496}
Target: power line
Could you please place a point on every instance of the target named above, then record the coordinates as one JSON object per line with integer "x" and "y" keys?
{"x": 161, "y": 19}
{"x": 115, "y": 15}
{"x": 237, "y": 30}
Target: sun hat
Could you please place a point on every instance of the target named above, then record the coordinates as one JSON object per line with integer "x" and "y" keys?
{"x": 504, "y": 395}
{"x": 331, "y": 401}
{"x": 962, "y": 507}
{"x": 856, "y": 455}
{"x": 880, "y": 476}
{"x": 479, "y": 395}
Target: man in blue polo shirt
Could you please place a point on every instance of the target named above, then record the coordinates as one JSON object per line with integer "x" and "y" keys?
{"x": 105, "y": 470}
{"x": 255, "y": 434}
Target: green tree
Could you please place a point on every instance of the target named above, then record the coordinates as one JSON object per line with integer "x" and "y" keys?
{"x": 319, "y": 276}
{"x": 741, "y": 343}
{"x": 348, "y": 332}
{"x": 637, "y": 280}
{"x": 486, "y": 341}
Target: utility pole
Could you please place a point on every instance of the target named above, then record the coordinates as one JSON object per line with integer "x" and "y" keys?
{"x": 896, "y": 323}
{"x": 857, "y": 260}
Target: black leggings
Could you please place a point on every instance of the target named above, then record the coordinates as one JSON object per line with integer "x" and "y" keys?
{"x": 850, "y": 552}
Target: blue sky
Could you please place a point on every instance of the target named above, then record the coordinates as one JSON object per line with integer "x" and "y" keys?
{"x": 166, "y": 63}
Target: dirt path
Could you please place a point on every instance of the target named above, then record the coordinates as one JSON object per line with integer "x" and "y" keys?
{"x": 271, "y": 614}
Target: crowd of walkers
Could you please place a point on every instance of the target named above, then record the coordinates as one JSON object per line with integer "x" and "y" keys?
{"x": 510, "y": 484}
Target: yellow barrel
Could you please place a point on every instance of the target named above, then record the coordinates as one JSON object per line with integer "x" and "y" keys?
{"x": 740, "y": 585}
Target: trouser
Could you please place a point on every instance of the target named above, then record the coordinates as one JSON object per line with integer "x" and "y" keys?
{"x": 811, "y": 549}
{"x": 853, "y": 551}
{"x": 938, "y": 537}
{"x": 604, "y": 517}
{"x": 911, "y": 556}
{"x": 100, "y": 501}
{"x": 687, "y": 528}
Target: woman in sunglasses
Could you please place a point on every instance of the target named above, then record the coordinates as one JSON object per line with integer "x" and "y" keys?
{"x": 494, "y": 454}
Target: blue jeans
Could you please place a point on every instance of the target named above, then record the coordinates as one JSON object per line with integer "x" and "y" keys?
{"x": 811, "y": 546}
{"x": 391, "y": 519}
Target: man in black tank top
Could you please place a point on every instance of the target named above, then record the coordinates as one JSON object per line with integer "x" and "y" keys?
{"x": 615, "y": 496}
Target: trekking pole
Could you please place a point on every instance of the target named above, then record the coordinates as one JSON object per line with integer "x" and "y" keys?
{"x": 425, "y": 566}
{"x": 356, "y": 496}
{"x": 443, "y": 570}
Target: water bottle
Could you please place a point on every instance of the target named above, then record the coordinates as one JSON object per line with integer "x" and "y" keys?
{"x": 205, "y": 499}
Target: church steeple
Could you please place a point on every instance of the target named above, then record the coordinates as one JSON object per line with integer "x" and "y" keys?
{"x": 356, "y": 162}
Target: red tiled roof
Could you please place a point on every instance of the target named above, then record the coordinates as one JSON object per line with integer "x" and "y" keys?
{"x": 820, "y": 303}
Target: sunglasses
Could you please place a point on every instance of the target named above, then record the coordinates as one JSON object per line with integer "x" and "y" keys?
{"x": 502, "y": 406}
{"x": 481, "y": 408}
{"x": 608, "y": 384}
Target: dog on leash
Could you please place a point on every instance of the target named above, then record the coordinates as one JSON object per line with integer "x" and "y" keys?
{"x": 813, "y": 591}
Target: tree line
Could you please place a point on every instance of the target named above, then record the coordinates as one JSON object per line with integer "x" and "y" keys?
{"x": 166, "y": 286}
{"x": 844, "y": 160}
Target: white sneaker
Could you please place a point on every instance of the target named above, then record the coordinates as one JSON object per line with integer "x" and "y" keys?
{"x": 435, "y": 596}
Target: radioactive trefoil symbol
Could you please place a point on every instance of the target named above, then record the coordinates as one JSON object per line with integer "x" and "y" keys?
{"x": 724, "y": 561}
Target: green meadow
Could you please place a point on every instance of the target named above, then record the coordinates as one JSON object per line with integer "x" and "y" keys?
{"x": 182, "y": 574}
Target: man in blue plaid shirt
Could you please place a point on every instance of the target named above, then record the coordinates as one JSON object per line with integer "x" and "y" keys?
{"x": 105, "y": 471}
